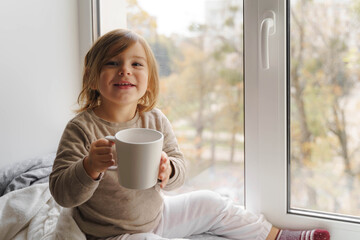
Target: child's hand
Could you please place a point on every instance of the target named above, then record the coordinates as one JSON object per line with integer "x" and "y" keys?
{"x": 100, "y": 158}
{"x": 164, "y": 170}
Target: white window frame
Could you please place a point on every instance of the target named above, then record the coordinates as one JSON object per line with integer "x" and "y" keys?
{"x": 266, "y": 125}
{"x": 265, "y": 119}
{"x": 88, "y": 16}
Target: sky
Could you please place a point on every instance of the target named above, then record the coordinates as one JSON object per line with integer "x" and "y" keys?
{"x": 174, "y": 14}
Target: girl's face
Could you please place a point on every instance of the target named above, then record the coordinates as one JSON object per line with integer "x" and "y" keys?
{"x": 124, "y": 78}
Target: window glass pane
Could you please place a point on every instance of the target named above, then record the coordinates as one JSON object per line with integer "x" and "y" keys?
{"x": 198, "y": 45}
{"x": 324, "y": 96}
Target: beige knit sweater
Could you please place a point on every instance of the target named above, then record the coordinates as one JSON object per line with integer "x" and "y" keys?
{"x": 103, "y": 208}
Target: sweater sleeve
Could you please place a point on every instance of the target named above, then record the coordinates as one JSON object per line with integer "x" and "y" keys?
{"x": 175, "y": 156}
{"x": 69, "y": 183}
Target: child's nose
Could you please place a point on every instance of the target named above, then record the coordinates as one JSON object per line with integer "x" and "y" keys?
{"x": 124, "y": 71}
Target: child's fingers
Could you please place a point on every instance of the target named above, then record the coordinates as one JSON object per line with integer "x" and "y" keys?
{"x": 103, "y": 150}
{"x": 164, "y": 157}
{"x": 109, "y": 163}
{"x": 103, "y": 165}
{"x": 164, "y": 163}
{"x": 103, "y": 142}
{"x": 163, "y": 167}
{"x": 101, "y": 147}
{"x": 164, "y": 170}
{"x": 162, "y": 176}
{"x": 164, "y": 180}
{"x": 105, "y": 157}
{"x": 160, "y": 173}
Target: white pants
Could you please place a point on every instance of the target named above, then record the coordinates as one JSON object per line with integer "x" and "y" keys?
{"x": 204, "y": 211}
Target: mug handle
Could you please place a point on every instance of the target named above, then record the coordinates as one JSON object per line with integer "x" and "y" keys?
{"x": 110, "y": 138}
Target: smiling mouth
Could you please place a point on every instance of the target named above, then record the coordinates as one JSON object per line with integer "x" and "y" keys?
{"x": 124, "y": 85}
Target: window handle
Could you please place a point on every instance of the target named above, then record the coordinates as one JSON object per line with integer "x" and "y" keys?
{"x": 267, "y": 28}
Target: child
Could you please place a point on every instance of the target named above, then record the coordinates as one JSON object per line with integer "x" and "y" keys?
{"x": 120, "y": 89}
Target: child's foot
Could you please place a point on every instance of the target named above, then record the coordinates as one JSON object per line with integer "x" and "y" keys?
{"x": 316, "y": 234}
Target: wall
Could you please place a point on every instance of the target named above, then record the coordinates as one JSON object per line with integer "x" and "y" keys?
{"x": 40, "y": 75}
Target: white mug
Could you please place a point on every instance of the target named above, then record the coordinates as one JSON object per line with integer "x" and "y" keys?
{"x": 138, "y": 152}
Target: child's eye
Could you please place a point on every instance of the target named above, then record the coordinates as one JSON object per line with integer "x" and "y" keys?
{"x": 112, "y": 63}
{"x": 136, "y": 64}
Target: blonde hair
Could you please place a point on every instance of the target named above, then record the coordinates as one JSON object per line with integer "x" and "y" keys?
{"x": 105, "y": 48}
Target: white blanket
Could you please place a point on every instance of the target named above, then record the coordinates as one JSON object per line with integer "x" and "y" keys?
{"x": 31, "y": 213}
